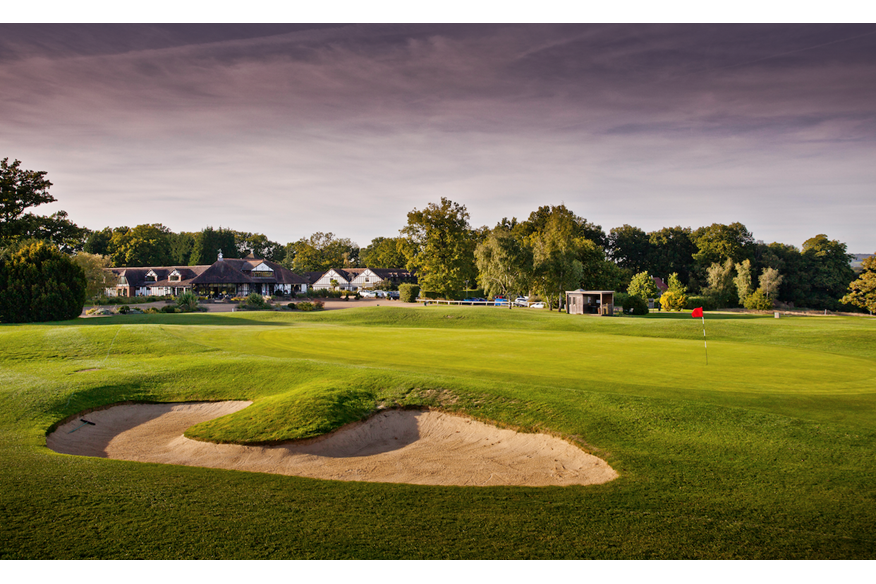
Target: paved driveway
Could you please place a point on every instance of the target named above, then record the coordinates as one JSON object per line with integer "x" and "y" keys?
{"x": 330, "y": 304}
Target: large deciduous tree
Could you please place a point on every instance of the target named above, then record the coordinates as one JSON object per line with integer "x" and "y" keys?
{"x": 504, "y": 263}
{"x": 19, "y": 190}
{"x": 721, "y": 286}
{"x": 630, "y": 247}
{"x": 97, "y": 277}
{"x": 384, "y": 252}
{"x": 144, "y": 245}
{"x": 672, "y": 250}
{"x": 320, "y": 252}
{"x": 259, "y": 245}
{"x": 769, "y": 281}
{"x": 718, "y": 242}
{"x": 828, "y": 266}
{"x": 862, "y": 292}
{"x": 22, "y": 189}
{"x": 743, "y": 280}
{"x": 442, "y": 247}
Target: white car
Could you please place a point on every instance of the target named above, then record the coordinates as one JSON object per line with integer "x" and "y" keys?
{"x": 368, "y": 294}
{"x": 537, "y": 305}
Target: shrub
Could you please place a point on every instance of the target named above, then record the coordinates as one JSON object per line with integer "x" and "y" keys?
{"x": 673, "y": 300}
{"x": 318, "y": 304}
{"x": 292, "y": 306}
{"x": 255, "y": 300}
{"x": 187, "y": 302}
{"x": 124, "y": 309}
{"x": 706, "y": 302}
{"x": 408, "y": 292}
{"x": 757, "y": 300}
{"x": 169, "y": 309}
{"x": 308, "y": 306}
{"x": 40, "y": 284}
{"x": 635, "y": 305}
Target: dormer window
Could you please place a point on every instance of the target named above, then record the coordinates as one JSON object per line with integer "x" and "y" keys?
{"x": 262, "y": 271}
{"x": 175, "y": 276}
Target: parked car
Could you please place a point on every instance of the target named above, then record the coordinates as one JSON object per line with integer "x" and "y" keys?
{"x": 369, "y": 293}
{"x": 393, "y": 294}
{"x": 500, "y": 301}
{"x": 537, "y": 305}
{"x": 475, "y": 300}
{"x": 522, "y": 301}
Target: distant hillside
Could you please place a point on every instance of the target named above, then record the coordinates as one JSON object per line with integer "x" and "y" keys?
{"x": 858, "y": 259}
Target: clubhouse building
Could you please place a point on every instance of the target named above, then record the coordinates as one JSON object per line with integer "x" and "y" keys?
{"x": 353, "y": 279}
{"x": 240, "y": 277}
{"x": 231, "y": 277}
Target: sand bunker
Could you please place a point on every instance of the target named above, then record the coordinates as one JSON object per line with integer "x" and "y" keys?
{"x": 394, "y": 446}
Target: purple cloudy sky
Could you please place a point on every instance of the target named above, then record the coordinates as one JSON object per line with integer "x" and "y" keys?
{"x": 289, "y": 129}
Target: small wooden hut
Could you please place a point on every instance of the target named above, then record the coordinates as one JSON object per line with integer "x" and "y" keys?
{"x": 599, "y": 302}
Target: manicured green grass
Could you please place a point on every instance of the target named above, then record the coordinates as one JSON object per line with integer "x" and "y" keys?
{"x": 766, "y": 452}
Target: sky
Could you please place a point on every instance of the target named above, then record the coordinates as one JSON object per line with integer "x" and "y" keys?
{"x": 288, "y": 130}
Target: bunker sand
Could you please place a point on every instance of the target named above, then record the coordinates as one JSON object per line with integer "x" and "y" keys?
{"x": 393, "y": 446}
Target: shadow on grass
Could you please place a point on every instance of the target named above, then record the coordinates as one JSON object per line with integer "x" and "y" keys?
{"x": 198, "y": 318}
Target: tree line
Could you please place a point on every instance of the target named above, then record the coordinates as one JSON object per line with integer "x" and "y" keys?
{"x": 551, "y": 251}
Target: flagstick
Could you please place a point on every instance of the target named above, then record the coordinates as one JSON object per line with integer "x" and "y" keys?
{"x": 705, "y": 346}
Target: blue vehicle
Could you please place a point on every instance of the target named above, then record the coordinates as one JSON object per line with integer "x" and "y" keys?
{"x": 501, "y": 301}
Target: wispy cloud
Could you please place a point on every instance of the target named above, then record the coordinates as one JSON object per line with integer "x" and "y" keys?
{"x": 347, "y": 128}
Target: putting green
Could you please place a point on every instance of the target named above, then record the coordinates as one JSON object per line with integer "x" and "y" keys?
{"x": 592, "y": 361}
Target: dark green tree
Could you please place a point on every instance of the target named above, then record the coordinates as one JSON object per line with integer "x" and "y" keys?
{"x": 828, "y": 265}
{"x": 208, "y": 242}
{"x": 181, "y": 246}
{"x": 577, "y": 226}
{"x": 672, "y": 251}
{"x": 38, "y": 283}
{"x": 144, "y": 245}
{"x": 630, "y": 248}
{"x": 20, "y": 190}
{"x": 98, "y": 242}
{"x": 796, "y": 283}
{"x": 718, "y": 242}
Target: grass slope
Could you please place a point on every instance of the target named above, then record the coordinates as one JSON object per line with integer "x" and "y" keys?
{"x": 766, "y": 452}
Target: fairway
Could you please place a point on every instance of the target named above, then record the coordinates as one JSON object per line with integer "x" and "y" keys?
{"x": 764, "y": 452}
{"x": 589, "y": 361}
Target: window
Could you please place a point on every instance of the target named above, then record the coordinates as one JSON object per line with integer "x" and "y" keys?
{"x": 261, "y": 274}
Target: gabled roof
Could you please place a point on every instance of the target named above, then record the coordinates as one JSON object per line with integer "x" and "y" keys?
{"x": 136, "y": 277}
{"x": 661, "y": 285}
{"x": 225, "y": 271}
{"x": 237, "y": 271}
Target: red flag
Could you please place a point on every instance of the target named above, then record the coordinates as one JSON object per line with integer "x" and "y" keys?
{"x": 697, "y": 312}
